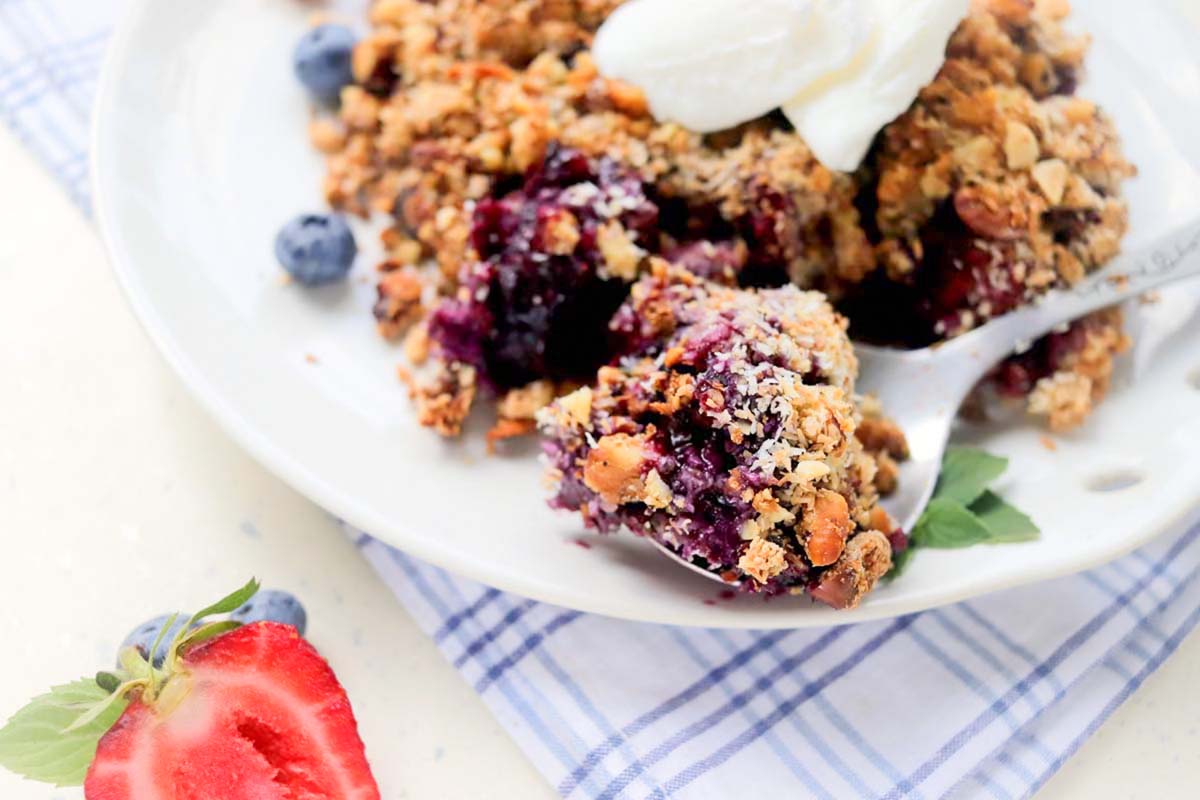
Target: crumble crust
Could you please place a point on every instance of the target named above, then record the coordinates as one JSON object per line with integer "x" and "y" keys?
{"x": 728, "y": 435}
{"x": 999, "y": 184}
{"x": 1084, "y": 371}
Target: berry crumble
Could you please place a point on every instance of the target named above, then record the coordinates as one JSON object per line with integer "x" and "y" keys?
{"x": 670, "y": 308}
{"x": 727, "y": 434}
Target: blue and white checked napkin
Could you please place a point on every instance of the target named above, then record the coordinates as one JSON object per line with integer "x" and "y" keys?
{"x": 983, "y": 699}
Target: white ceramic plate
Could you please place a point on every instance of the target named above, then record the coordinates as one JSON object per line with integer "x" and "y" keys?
{"x": 201, "y": 153}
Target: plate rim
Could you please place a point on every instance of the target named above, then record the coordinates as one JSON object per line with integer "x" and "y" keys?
{"x": 395, "y": 533}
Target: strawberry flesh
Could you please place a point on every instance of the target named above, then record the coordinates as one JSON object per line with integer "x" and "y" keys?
{"x": 255, "y": 714}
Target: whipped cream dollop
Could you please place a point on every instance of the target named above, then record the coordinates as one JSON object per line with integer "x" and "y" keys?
{"x": 839, "y": 69}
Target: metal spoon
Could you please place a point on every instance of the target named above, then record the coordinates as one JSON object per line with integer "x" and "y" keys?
{"x": 923, "y": 389}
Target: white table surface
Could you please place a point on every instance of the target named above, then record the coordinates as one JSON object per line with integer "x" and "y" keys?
{"x": 120, "y": 499}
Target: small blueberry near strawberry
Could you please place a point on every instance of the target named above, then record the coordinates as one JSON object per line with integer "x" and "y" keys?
{"x": 143, "y": 636}
{"x": 316, "y": 248}
{"x": 273, "y": 605}
{"x": 322, "y": 60}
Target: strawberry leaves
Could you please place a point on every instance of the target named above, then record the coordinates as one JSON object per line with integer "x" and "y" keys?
{"x": 53, "y": 739}
{"x": 230, "y": 602}
{"x": 37, "y": 744}
{"x": 964, "y": 512}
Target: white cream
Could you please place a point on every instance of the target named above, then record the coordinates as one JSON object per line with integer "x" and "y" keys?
{"x": 840, "y": 118}
{"x": 711, "y": 64}
{"x": 839, "y": 69}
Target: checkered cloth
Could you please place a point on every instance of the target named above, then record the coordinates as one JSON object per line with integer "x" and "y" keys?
{"x": 985, "y": 698}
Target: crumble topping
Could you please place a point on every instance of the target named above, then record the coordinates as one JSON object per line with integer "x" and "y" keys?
{"x": 726, "y": 433}
{"x": 763, "y": 560}
{"x": 998, "y": 184}
{"x": 398, "y": 305}
{"x": 1081, "y": 365}
{"x": 444, "y": 402}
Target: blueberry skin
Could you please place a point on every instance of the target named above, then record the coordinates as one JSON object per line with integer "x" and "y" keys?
{"x": 316, "y": 248}
{"x": 322, "y": 60}
{"x": 144, "y": 635}
{"x": 273, "y": 605}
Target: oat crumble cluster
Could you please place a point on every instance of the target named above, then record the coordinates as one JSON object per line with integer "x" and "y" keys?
{"x": 728, "y": 434}
{"x": 996, "y": 185}
{"x": 549, "y": 238}
{"x": 1065, "y": 374}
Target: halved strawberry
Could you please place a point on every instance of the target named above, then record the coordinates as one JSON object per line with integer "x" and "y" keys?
{"x": 254, "y": 714}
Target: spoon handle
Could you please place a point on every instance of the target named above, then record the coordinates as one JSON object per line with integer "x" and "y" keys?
{"x": 1173, "y": 258}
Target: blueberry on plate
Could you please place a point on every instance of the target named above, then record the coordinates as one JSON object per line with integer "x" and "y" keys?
{"x": 142, "y": 637}
{"x": 322, "y": 60}
{"x": 316, "y": 248}
{"x": 273, "y": 605}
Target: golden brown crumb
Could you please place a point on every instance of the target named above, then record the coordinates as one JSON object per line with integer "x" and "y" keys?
{"x": 398, "y": 306}
{"x": 560, "y": 233}
{"x": 887, "y": 474}
{"x": 615, "y": 468}
{"x": 880, "y": 434}
{"x": 1064, "y": 399}
{"x": 417, "y": 344}
{"x": 1084, "y": 376}
{"x": 524, "y": 403}
{"x": 867, "y": 558}
{"x": 763, "y": 560}
{"x": 444, "y": 403}
{"x": 508, "y": 429}
{"x": 327, "y": 135}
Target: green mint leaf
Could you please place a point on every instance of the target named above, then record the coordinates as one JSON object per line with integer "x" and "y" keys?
{"x": 230, "y": 602}
{"x": 35, "y": 744}
{"x": 966, "y": 474}
{"x": 1003, "y": 520}
{"x": 208, "y": 631}
{"x": 947, "y": 524}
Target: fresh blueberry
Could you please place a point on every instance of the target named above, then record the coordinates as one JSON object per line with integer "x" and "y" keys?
{"x": 275, "y": 606}
{"x": 322, "y": 60}
{"x": 143, "y": 636}
{"x": 316, "y": 248}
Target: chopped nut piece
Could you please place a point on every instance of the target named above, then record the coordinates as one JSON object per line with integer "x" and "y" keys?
{"x": 1020, "y": 146}
{"x": 560, "y": 232}
{"x": 867, "y": 558}
{"x": 621, "y": 255}
{"x": 615, "y": 468}
{"x": 827, "y": 526}
{"x": 578, "y": 406}
{"x": 1051, "y": 177}
{"x": 658, "y": 494}
{"x": 763, "y": 560}
{"x": 524, "y": 403}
